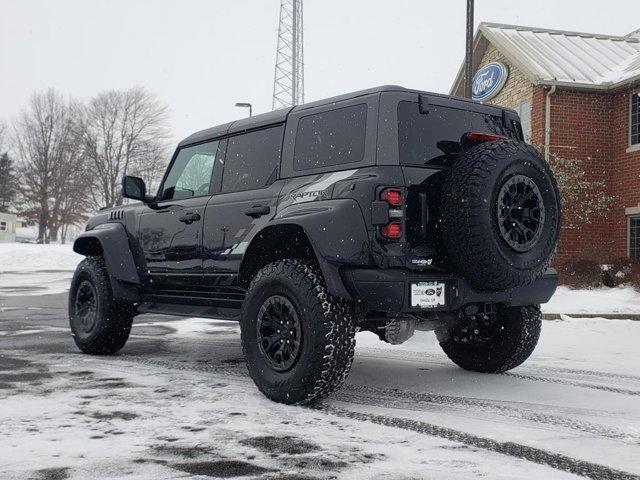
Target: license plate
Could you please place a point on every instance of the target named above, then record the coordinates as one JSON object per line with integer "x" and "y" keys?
{"x": 427, "y": 294}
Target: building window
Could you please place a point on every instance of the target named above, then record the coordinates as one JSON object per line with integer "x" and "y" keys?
{"x": 3, "y": 226}
{"x": 634, "y": 237}
{"x": 634, "y": 123}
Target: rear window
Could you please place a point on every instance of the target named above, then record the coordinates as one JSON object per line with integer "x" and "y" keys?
{"x": 433, "y": 139}
{"x": 331, "y": 138}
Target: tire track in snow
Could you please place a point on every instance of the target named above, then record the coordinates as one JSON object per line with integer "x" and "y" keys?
{"x": 402, "y": 399}
{"x": 229, "y": 370}
{"x": 591, "y": 373}
{"x": 573, "y": 383}
{"x": 604, "y": 376}
{"x": 542, "y": 457}
{"x": 372, "y": 396}
{"x": 441, "y": 359}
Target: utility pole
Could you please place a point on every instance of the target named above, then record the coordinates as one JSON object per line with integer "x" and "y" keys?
{"x": 288, "y": 83}
{"x": 468, "y": 59}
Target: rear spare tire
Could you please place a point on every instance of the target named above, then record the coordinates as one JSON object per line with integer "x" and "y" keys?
{"x": 500, "y": 218}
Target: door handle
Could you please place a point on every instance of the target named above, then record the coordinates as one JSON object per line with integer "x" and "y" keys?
{"x": 189, "y": 218}
{"x": 257, "y": 211}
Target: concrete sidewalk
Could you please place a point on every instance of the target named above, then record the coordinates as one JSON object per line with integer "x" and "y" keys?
{"x": 610, "y": 316}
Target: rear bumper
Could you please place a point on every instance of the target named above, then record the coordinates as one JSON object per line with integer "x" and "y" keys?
{"x": 389, "y": 290}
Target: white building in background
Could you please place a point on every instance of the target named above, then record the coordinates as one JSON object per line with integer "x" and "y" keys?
{"x": 8, "y": 225}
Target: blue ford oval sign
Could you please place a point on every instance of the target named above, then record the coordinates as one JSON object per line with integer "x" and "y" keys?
{"x": 488, "y": 81}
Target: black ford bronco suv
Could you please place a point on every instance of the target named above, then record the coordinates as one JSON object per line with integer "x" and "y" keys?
{"x": 387, "y": 210}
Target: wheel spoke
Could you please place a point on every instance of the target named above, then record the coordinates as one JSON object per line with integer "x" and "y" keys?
{"x": 520, "y": 211}
{"x": 278, "y": 330}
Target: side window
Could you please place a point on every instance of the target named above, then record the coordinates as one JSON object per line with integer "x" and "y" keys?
{"x": 331, "y": 138}
{"x": 252, "y": 160}
{"x": 190, "y": 174}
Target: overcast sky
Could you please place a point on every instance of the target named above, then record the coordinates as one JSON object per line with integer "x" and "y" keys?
{"x": 202, "y": 56}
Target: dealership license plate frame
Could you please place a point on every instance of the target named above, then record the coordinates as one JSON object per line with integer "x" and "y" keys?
{"x": 423, "y": 298}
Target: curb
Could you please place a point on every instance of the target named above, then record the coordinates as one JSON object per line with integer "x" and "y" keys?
{"x": 608, "y": 316}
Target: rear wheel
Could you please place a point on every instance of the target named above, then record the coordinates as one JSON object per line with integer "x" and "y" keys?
{"x": 100, "y": 325}
{"x": 298, "y": 340}
{"x": 494, "y": 343}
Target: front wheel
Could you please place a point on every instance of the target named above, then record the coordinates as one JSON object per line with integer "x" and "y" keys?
{"x": 494, "y": 343}
{"x": 298, "y": 340}
{"x": 100, "y": 325}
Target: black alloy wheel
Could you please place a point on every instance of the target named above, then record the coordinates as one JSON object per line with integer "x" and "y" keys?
{"x": 86, "y": 306}
{"x": 100, "y": 324}
{"x": 521, "y": 213}
{"x": 500, "y": 215}
{"x": 279, "y": 333}
{"x": 297, "y": 338}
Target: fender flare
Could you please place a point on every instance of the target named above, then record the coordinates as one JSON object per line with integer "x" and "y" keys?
{"x": 112, "y": 242}
{"x": 337, "y": 232}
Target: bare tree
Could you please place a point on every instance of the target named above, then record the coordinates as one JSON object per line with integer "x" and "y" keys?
{"x": 48, "y": 155}
{"x": 71, "y": 186}
{"x": 123, "y": 132}
{"x": 7, "y": 174}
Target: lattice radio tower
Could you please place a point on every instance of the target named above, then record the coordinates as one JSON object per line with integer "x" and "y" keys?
{"x": 288, "y": 83}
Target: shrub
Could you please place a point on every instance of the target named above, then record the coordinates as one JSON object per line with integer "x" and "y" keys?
{"x": 579, "y": 274}
{"x": 592, "y": 273}
{"x": 621, "y": 271}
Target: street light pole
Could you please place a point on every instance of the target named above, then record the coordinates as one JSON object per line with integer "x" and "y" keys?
{"x": 468, "y": 59}
{"x": 246, "y": 105}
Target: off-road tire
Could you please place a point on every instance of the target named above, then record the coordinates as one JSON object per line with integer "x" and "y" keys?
{"x": 113, "y": 319}
{"x": 516, "y": 336}
{"x": 470, "y": 231}
{"x": 328, "y": 334}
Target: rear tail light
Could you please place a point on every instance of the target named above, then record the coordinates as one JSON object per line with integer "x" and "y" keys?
{"x": 477, "y": 137}
{"x": 395, "y": 198}
{"x": 393, "y": 231}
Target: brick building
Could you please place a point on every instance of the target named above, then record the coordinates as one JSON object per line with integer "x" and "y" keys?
{"x": 578, "y": 95}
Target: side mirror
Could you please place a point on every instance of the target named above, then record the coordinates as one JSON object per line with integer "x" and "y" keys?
{"x": 134, "y": 188}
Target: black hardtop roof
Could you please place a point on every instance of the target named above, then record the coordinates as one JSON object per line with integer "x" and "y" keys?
{"x": 280, "y": 115}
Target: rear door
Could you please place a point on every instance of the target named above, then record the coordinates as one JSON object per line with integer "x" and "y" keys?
{"x": 170, "y": 233}
{"x": 247, "y": 201}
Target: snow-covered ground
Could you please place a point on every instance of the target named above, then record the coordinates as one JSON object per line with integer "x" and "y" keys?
{"x": 27, "y": 269}
{"x": 623, "y": 299}
{"x": 30, "y": 269}
{"x": 177, "y": 402}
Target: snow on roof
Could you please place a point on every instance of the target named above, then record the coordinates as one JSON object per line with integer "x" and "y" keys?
{"x": 559, "y": 57}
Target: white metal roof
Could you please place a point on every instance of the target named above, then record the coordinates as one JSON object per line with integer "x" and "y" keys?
{"x": 558, "y": 57}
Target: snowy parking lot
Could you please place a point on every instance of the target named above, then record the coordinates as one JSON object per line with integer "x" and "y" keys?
{"x": 177, "y": 401}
